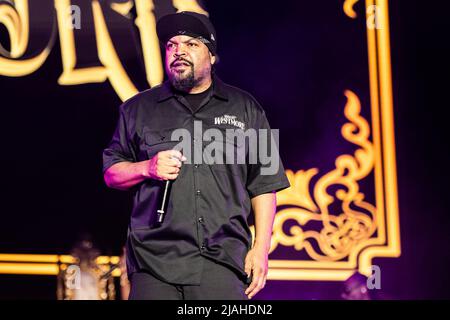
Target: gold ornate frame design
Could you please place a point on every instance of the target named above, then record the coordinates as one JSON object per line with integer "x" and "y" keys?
{"x": 347, "y": 242}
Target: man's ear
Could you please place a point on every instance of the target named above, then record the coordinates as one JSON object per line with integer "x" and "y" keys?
{"x": 212, "y": 58}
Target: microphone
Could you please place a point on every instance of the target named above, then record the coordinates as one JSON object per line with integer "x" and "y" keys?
{"x": 161, "y": 212}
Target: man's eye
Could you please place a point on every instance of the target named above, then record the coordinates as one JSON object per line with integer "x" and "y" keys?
{"x": 192, "y": 44}
{"x": 169, "y": 46}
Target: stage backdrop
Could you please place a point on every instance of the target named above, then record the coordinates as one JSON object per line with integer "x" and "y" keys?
{"x": 320, "y": 69}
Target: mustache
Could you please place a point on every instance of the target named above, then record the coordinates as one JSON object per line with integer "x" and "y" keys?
{"x": 181, "y": 60}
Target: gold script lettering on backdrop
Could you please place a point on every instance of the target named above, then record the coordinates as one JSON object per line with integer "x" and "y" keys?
{"x": 15, "y": 17}
{"x": 16, "y": 21}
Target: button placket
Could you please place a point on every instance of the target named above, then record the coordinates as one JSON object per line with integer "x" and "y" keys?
{"x": 198, "y": 217}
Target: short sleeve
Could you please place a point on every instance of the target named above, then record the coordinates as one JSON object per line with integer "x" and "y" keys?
{"x": 120, "y": 147}
{"x": 266, "y": 174}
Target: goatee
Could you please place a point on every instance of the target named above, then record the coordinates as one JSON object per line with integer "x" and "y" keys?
{"x": 183, "y": 83}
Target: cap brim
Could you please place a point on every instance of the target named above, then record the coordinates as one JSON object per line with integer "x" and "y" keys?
{"x": 178, "y": 24}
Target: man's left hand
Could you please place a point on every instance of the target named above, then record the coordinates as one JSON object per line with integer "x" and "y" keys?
{"x": 256, "y": 264}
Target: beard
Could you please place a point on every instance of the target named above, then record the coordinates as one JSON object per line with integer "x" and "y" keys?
{"x": 183, "y": 81}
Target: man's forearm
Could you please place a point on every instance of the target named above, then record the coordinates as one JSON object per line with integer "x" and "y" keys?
{"x": 264, "y": 208}
{"x": 124, "y": 175}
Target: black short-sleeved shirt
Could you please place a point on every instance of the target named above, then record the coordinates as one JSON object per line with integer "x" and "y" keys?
{"x": 209, "y": 204}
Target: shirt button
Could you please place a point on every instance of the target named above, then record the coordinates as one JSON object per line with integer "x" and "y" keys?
{"x": 201, "y": 220}
{"x": 196, "y": 166}
{"x": 203, "y": 247}
{"x": 198, "y": 192}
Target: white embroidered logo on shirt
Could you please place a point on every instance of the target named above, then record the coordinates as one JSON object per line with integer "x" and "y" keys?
{"x": 231, "y": 120}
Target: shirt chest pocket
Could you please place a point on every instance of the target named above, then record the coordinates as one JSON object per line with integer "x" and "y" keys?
{"x": 158, "y": 140}
{"x": 226, "y": 152}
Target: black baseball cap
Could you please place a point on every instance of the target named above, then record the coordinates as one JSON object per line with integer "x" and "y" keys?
{"x": 187, "y": 23}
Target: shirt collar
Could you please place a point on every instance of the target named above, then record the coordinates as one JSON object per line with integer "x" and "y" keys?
{"x": 219, "y": 90}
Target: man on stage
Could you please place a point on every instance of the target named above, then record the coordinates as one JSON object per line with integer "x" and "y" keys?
{"x": 203, "y": 247}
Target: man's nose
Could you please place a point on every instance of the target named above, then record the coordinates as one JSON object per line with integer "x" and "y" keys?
{"x": 179, "y": 51}
{"x": 179, "y": 54}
